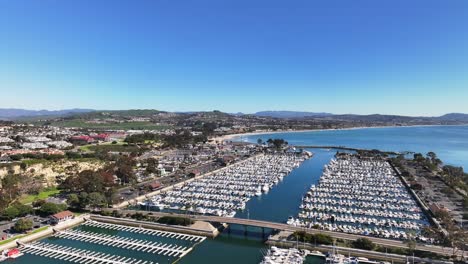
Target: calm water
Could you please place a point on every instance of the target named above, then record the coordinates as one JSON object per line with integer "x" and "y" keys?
{"x": 235, "y": 246}
{"x": 280, "y": 203}
{"x": 450, "y": 143}
{"x": 28, "y": 258}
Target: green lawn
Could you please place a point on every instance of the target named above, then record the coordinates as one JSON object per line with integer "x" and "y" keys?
{"x": 24, "y": 235}
{"x": 42, "y": 195}
{"x": 87, "y": 148}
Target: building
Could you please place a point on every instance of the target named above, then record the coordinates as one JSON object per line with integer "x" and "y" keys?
{"x": 59, "y": 144}
{"x": 117, "y": 136}
{"x": 436, "y": 208}
{"x": 61, "y": 217}
{"x": 81, "y": 140}
{"x": 34, "y": 145}
{"x": 5, "y": 159}
{"x": 101, "y": 137}
{"x": 155, "y": 185}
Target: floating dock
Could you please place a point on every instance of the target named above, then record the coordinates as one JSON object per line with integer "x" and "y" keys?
{"x": 77, "y": 255}
{"x": 145, "y": 231}
{"x": 126, "y": 243}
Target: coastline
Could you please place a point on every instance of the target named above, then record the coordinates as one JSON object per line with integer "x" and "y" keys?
{"x": 231, "y": 137}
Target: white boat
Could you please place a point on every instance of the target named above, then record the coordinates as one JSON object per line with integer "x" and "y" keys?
{"x": 290, "y": 221}
{"x": 317, "y": 254}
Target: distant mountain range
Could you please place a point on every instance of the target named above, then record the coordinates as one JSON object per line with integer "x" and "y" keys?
{"x": 373, "y": 117}
{"x": 291, "y": 114}
{"x": 454, "y": 117}
{"x": 13, "y": 113}
{"x": 23, "y": 114}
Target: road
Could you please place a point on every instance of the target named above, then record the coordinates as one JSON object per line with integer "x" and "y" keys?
{"x": 281, "y": 226}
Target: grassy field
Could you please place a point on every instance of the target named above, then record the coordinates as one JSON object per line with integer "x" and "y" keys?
{"x": 87, "y": 148}
{"x": 21, "y": 236}
{"x": 42, "y": 195}
{"x": 111, "y": 126}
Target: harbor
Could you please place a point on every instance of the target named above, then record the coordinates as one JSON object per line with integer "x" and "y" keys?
{"x": 361, "y": 196}
{"x": 227, "y": 191}
{"x": 95, "y": 242}
{"x": 237, "y": 245}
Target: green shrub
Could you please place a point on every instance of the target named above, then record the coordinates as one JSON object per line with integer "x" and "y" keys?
{"x": 173, "y": 220}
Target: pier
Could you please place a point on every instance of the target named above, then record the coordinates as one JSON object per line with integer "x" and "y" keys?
{"x": 145, "y": 231}
{"x": 126, "y": 243}
{"x": 77, "y": 255}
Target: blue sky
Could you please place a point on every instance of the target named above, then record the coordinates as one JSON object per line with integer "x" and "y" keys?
{"x": 363, "y": 56}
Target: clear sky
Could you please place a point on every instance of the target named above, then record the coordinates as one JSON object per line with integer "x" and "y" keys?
{"x": 362, "y": 56}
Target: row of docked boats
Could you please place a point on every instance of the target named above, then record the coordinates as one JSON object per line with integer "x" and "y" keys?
{"x": 228, "y": 190}
{"x": 361, "y": 196}
{"x": 276, "y": 255}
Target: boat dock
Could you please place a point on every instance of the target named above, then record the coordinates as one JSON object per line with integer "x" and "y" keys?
{"x": 145, "y": 231}
{"x": 77, "y": 255}
{"x": 126, "y": 243}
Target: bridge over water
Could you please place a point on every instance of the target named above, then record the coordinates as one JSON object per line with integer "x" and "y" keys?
{"x": 285, "y": 227}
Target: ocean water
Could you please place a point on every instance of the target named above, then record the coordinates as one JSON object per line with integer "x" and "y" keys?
{"x": 450, "y": 143}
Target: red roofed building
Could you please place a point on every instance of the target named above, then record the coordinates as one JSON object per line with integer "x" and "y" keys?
{"x": 61, "y": 217}
{"x": 81, "y": 140}
{"x": 155, "y": 185}
{"x": 101, "y": 137}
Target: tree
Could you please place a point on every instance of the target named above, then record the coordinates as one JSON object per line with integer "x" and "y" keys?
{"x": 418, "y": 157}
{"x": 24, "y": 209}
{"x": 51, "y": 208}
{"x": 277, "y": 142}
{"x": 363, "y": 243}
{"x": 431, "y": 155}
{"x": 96, "y": 200}
{"x": 152, "y": 165}
{"x": 110, "y": 195}
{"x": 125, "y": 170}
{"x": 23, "y": 224}
{"x": 85, "y": 181}
{"x": 73, "y": 201}
{"x": 38, "y": 203}
{"x": 10, "y": 213}
{"x": 23, "y": 166}
{"x": 259, "y": 141}
{"x": 11, "y": 186}
{"x": 411, "y": 241}
{"x": 90, "y": 181}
